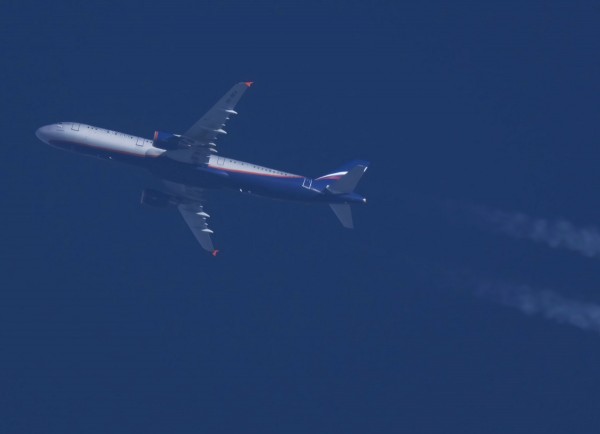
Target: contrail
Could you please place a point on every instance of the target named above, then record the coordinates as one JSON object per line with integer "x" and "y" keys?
{"x": 556, "y": 234}
{"x": 530, "y": 301}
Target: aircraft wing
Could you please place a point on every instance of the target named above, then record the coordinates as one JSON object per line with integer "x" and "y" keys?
{"x": 204, "y": 133}
{"x": 195, "y": 217}
{"x": 208, "y": 128}
{"x": 192, "y": 211}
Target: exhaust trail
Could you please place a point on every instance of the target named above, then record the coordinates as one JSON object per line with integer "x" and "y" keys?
{"x": 555, "y": 234}
{"x": 548, "y": 304}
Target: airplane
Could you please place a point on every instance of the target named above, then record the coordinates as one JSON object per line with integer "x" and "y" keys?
{"x": 189, "y": 163}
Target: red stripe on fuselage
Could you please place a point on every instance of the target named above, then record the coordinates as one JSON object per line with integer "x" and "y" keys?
{"x": 254, "y": 173}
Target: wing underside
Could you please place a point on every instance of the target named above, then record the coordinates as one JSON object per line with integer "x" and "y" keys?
{"x": 191, "y": 207}
{"x": 200, "y": 140}
{"x": 195, "y": 217}
{"x": 208, "y": 128}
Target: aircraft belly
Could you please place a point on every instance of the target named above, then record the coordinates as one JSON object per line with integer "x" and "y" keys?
{"x": 281, "y": 188}
{"x": 95, "y": 151}
{"x": 187, "y": 174}
{"x": 204, "y": 177}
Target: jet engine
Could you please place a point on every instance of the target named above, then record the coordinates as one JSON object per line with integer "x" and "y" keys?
{"x": 158, "y": 199}
{"x": 166, "y": 141}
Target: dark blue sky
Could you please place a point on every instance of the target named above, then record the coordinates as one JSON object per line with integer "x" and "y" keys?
{"x": 112, "y": 318}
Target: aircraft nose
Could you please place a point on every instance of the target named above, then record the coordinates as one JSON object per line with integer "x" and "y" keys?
{"x": 43, "y": 133}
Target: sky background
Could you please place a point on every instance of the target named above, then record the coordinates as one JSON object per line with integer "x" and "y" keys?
{"x": 113, "y": 319}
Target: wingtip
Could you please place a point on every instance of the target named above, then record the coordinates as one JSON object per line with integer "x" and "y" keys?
{"x": 215, "y": 253}
{"x": 248, "y": 83}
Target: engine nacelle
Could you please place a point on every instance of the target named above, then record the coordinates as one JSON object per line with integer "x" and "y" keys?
{"x": 168, "y": 141}
{"x": 158, "y": 199}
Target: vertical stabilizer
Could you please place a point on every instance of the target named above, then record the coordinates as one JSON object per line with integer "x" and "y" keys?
{"x": 343, "y": 213}
{"x": 347, "y": 183}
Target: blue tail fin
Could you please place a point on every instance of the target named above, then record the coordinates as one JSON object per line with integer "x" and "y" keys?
{"x": 341, "y": 171}
{"x": 348, "y": 182}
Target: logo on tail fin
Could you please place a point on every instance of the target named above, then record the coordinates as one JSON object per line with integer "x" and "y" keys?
{"x": 334, "y": 176}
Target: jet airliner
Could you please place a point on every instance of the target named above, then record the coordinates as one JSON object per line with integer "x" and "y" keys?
{"x": 188, "y": 163}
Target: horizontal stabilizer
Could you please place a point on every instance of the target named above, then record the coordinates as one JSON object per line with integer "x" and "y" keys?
{"x": 347, "y": 183}
{"x": 343, "y": 213}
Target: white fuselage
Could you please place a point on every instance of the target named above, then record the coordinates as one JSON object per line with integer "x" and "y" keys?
{"x": 70, "y": 133}
{"x": 108, "y": 144}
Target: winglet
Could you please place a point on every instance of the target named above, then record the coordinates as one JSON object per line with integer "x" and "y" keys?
{"x": 248, "y": 83}
{"x": 215, "y": 252}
